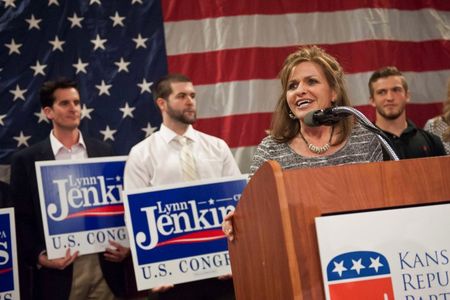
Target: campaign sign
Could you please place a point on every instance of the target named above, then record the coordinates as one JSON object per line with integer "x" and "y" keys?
{"x": 176, "y": 231}
{"x": 9, "y": 274}
{"x": 388, "y": 254}
{"x": 81, "y": 204}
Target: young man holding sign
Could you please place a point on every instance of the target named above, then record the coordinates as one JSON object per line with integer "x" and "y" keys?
{"x": 71, "y": 277}
{"x": 178, "y": 153}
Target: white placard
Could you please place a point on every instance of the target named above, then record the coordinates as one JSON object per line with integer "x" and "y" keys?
{"x": 9, "y": 270}
{"x": 81, "y": 204}
{"x": 398, "y": 253}
{"x": 175, "y": 230}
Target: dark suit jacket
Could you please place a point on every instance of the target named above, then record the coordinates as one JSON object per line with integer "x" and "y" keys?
{"x": 48, "y": 283}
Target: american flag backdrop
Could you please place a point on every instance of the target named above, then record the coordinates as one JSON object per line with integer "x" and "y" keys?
{"x": 232, "y": 50}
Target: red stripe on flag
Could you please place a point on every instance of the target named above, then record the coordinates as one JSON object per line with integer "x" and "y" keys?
{"x": 237, "y": 130}
{"x": 356, "y": 57}
{"x": 200, "y": 9}
{"x": 418, "y": 112}
{"x": 249, "y": 129}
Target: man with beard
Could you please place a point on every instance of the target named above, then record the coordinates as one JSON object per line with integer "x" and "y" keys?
{"x": 389, "y": 95}
{"x": 158, "y": 160}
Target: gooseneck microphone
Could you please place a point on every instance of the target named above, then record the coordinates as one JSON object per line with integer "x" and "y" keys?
{"x": 332, "y": 115}
{"x": 328, "y": 116}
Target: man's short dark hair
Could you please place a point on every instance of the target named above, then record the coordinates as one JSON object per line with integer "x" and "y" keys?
{"x": 49, "y": 87}
{"x": 162, "y": 88}
{"x": 386, "y": 72}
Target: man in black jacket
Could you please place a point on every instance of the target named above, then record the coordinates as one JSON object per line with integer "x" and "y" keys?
{"x": 4, "y": 195}
{"x": 389, "y": 95}
{"x": 71, "y": 277}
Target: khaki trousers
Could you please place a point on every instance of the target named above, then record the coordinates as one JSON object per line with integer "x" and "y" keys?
{"x": 88, "y": 281}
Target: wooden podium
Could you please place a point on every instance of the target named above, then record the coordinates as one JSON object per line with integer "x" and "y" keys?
{"x": 275, "y": 252}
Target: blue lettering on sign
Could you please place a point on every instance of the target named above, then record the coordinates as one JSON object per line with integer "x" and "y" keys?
{"x": 82, "y": 195}
{"x": 6, "y": 262}
{"x": 85, "y": 196}
{"x": 182, "y": 222}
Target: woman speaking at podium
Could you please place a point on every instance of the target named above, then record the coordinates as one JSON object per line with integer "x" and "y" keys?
{"x": 312, "y": 80}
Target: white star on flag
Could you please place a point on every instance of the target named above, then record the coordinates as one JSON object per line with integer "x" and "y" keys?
{"x": 22, "y": 139}
{"x": 9, "y": 3}
{"x": 108, "y": 133}
{"x": 55, "y": 2}
{"x": 13, "y": 47}
{"x": 38, "y": 68}
{"x": 123, "y": 65}
{"x": 357, "y": 265}
{"x": 1, "y": 119}
{"x": 140, "y": 42}
{"x": 93, "y": 44}
{"x": 75, "y": 21}
{"x": 375, "y": 263}
{"x": 339, "y": 268}
{"x": 86, "y": 112}
{"x": 127, "y": 111}
{"x": 149, "y": 130}
{"x": 57, "y": 44}
{"x": 18, "y": 93}
{"x": 98, "y": 43}
{"x": 145, "y": 86}
{"x": 117, "y": 20}
{"x": 42, "y": 117}
{"x": 80, "y": 66}
{"x": 33, "y": 22}
{"x": 103, "y": 88}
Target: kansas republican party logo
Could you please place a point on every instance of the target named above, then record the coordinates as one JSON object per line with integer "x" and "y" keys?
{"x": 359, "y": 275}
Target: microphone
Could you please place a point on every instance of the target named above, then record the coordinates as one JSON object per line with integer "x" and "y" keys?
{"x": 331, "y": 115}
{"x": 328, "y": 116}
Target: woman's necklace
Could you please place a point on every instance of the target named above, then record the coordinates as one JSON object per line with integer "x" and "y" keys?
{"x": 317, "y": 149}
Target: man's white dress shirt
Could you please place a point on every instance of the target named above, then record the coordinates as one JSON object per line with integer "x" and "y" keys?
{"x": 155, "y": 161}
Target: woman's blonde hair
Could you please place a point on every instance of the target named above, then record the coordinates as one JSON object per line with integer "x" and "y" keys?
{"x": 283, "y": 128}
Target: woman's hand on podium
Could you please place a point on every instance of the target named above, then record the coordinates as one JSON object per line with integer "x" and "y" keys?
{"x": 227, "y": 226}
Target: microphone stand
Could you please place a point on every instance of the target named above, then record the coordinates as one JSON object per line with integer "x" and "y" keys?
{"x": 362, "y": 119}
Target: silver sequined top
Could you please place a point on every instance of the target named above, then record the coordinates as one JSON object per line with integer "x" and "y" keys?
{"x": 362, "y": 146}
{"x": 437, "y": 126}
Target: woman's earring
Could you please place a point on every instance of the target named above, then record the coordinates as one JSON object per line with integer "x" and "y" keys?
{"x": 292, "y": 116}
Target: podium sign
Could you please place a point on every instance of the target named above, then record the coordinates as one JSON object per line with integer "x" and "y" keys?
{"x": 396, "y": 253}
{"x": 81, "y": 204}
{"x": 175, "y": 231}
{"x": 9, "y": 274}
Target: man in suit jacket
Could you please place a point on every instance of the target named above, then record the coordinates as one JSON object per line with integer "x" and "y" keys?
{"x": 71, "y": 277}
